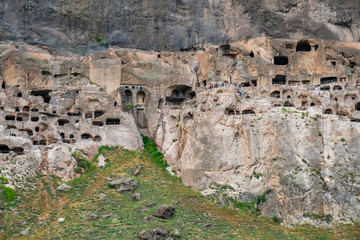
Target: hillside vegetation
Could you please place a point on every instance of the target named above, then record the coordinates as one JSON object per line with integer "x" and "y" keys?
{"x": 116, "y": 216}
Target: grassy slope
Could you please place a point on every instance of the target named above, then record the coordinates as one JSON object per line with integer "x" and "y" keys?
{"x": 156, "y": 185}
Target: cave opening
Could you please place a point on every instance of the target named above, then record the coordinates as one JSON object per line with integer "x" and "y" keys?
{"x": 99, "y": 124}
{"x": 10, "y": 118}
{"x": 62, "y": 122}
{"x": 86, "y": 136}
{"x": 247, "y": 112}
{"x": 325, "y": 88}
{"x": 113, "y": 121}
{"x": 45, "y": 94}
{"x": 328, "y": 111}
{"x": 279, "y": 80}
{"x": 328, "y": 80}
{"x": 275, "y": 94}
{"x": 4, "y": 149}
{"x": 97, "y": 138}
{"x": 180, "y": 94}
{"x": 281, "y": 60}
{"x": 34, "y": 119}
{"x": 303, "y": 46}
{"x": 18, "y": 150}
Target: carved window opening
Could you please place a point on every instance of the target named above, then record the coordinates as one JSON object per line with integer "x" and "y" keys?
{"x": 281, "y": 60}
{"x": 62, "y": 122}
{"x": 99, "y": 124}
{"x": 247, "y": 112}
{"x": 328, "y": 80}
{"x": 279, "y": 80}
{"x": 113, "y": 121}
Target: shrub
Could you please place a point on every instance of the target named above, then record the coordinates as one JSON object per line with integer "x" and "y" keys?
{"x": 77, "y": 170}
{"x": 83, "y": 163}
{"x": 129, "y": 107}
{"x": 276, "y": 219}
{"x": 320, "y": 134}
{"x": 157, "y": 156}
{"x": 10, "y": 194}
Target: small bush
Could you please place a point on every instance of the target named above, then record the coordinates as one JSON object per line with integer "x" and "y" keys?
{"x": 10, "y": 194}
{"x": 77, "y": 170}
{"x": 320, "y": 134}
{"x": 4, "y": 180}
{"x": 276, "y": 219}
{"x": 129, "y": 107}
{"x": 83, "y": 163}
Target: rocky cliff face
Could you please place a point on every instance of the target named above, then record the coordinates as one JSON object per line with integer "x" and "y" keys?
{"x": 263, "y": 118}
{"x": 80, "y": 26}
{"x": 293, "y": 135}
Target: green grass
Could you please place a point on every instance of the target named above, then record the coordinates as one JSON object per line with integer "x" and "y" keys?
{"x": 40, "y": 208}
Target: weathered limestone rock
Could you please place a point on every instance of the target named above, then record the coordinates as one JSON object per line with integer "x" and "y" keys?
{"x": 64, "y": 188}
{"x": 173, "y": 25}
{"x": 164, "y": 211}
{"x": 137, "y": 171}
{"x": 136, "y": 197}
{"x": 124, "y": 185}
{"x": 274, "y": 116}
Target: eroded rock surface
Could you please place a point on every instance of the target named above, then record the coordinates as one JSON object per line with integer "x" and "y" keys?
{"x": 173, "y": 25}
{"x": 273, "y": 119}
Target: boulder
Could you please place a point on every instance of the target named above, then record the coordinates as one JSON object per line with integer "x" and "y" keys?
{"x": 93, "y": 216}
{"x": 25, "y": 232}
{"x": 136, "y": 197}
{"x": 102, "y": 195}
{"x": 150, "y": 205}
{"x": 137, "y": 171}
{"x": 64, "y": 188}
{"x": 164, "y": 212}
{"x": 124, "y": 185}
{"x": 146, "y": 235}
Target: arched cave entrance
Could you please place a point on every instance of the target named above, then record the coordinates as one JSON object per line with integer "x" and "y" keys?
{"x": 128, "y": 97}
{"x": 140, "y": 98}
{"x": 275, "y": 94}
{"x": 328, "y": 111}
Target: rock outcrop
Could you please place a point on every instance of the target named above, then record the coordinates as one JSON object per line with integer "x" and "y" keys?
{"x": 173, "y": 25}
